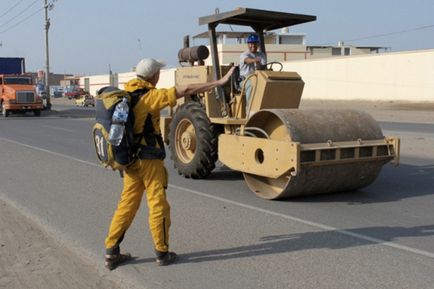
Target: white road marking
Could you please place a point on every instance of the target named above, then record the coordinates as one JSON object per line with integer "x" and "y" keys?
{"x": 268, "y": 212}
{"x": 312, "y": 224}
{"x": 50, "y": 152}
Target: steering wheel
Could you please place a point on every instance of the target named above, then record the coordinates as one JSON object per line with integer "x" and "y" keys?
{"x": 270, "y": 65}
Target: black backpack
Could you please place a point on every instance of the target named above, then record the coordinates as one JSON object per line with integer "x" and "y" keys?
{"x": 115, "y": 157}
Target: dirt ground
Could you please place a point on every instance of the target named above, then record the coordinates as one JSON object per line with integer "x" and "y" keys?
{"x": 30, "y": 259}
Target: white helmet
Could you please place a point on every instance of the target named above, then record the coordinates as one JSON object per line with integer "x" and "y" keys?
{"x": 148, "y": 67}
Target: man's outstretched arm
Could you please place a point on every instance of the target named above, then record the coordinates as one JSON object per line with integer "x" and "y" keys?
{"x": 202, "y": 87}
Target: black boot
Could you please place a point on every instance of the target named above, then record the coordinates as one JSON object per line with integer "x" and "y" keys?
{"x": 166, "y": 258}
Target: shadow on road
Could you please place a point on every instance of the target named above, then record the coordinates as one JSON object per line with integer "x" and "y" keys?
{"x": 393, "y": 184}
{"x": 225, "y": 175}
{"x": 270, "y": 245}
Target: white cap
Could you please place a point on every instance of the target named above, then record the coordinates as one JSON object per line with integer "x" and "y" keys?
{"x": 148, "y": 67}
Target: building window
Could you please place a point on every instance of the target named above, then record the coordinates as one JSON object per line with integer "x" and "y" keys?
{"x": 336, "y": 51}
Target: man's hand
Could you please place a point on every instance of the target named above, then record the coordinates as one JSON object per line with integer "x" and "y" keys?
{"x": 225, "y": 78}
{"x": 251, "y": 60}
{"x": 195, "y": 88}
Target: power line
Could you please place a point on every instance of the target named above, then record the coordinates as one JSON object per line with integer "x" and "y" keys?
{"x": 390, "y": 33}
{"x": 10, "y": 9}
{"x": 19, "y": 14}
{"x": 16, "y": 24}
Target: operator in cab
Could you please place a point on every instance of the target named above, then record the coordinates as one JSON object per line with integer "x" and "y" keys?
{"x": 251, "y": 60}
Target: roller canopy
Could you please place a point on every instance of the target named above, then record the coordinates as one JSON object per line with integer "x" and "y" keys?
{"x": 258, "y": 19}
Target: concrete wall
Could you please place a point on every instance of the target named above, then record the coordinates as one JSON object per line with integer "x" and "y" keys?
{"x": 95, "y": 82}
{"x": 402, "y": 76}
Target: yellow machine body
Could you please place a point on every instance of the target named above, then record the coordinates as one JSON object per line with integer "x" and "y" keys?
{"x": 282, "y": 151}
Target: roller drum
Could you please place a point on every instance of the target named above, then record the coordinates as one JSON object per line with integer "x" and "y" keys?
{"x": 315, "y": 126}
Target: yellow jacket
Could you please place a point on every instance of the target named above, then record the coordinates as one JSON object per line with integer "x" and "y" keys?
{"x": 152, "y": 102}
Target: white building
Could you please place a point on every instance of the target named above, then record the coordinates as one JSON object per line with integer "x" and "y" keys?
{"x": 329, "y": 72}
{"x": 281, "y": 46}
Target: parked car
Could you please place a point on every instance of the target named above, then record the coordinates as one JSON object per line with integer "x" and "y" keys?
{"x": 58, "y": 93}
{"x": 86, "y": 100}
{"x": 75, "y": 94}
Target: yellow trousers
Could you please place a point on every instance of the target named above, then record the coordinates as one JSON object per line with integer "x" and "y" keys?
{"x": 149, "y": 175}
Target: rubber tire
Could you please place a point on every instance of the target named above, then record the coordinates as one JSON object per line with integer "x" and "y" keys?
{"x": 205, "y": 155}
{"x": 37, "y": 112}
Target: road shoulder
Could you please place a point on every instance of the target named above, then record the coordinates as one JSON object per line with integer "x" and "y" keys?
{"x": 29, "y": 258}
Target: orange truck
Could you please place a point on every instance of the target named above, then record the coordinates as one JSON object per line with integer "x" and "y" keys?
{"x": 17, "y": 91}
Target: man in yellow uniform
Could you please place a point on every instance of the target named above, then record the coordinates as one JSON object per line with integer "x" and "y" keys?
{"x": 148, "y": 173}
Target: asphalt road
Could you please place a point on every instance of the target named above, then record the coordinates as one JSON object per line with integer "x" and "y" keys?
{"x": 379, "y": 237}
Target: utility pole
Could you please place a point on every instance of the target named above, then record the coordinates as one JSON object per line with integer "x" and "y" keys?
{"x": 110, "y": 75}
{"x": 47, "y": 57}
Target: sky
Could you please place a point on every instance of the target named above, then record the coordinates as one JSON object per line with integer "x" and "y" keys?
{"x": 90, "y": 36}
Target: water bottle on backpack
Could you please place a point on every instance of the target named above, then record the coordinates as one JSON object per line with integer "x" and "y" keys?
{"x": 119, "y": 118}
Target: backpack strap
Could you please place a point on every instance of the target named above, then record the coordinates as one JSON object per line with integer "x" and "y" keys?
{"x": 106, "y": 89}
{"x": 136, "y": 95}
{"x": 150, "y": 150}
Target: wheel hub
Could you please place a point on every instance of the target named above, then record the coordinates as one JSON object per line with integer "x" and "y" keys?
{"x": 187, "y": 141}
{"x": 186, "y": 144}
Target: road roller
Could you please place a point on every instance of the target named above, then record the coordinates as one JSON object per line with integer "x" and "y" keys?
{"x": 281, "y": 150}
